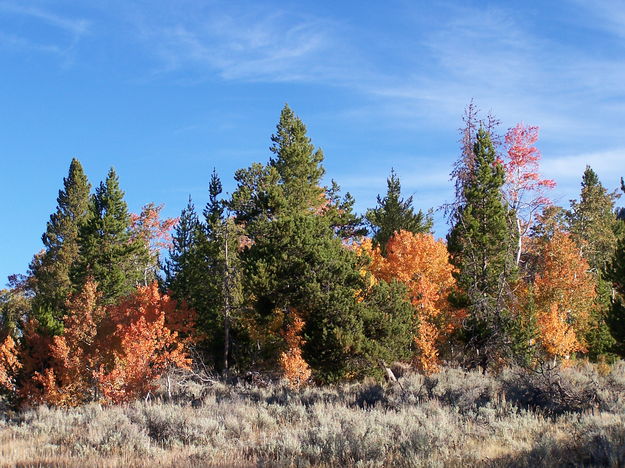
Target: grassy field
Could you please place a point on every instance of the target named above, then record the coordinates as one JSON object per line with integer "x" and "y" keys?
{"x": 556, "y": 417}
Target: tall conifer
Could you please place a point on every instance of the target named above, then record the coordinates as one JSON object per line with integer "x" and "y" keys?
{"x": 108, "y": 253}
{"x": 593, "y": 225}
{"x": 480, "y": 244}
{"x": 296, "y": 263}
{"x": 50, "y": 271}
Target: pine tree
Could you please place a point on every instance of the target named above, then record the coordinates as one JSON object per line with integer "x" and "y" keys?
{"x": 480, "y": 244}
{"x": 107, "y": 252}
{"x": 297, "y": 162}
{"x": 592, "y": 221}
{"x": 616, "y": 314}
{"x": 394, "y": 214}
{"x": 219, "y": 263}
{"x": 50, "y": 272}
{"x": 295, "y": 260}
{"x": 340, "y": 213}
{"x": 203, "y": 270}
{"x": 593, "y": 225}
{"x": 178, "y": 267}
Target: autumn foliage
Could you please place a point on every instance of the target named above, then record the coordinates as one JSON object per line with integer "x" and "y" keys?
{"x": 525, "y": 190}
{"x": 113, "y": 354}
{"x": 422, "y": 264}
{"x": 564, "y": 295}
{"x": 151, "y": 334}
{"x": 294, "y": 369}
{"x": 9, "y": 364}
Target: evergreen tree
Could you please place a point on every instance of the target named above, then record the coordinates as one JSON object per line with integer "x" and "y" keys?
{"x": 340, "y": 212}
{"x": 297, "y": 162}
{"x": 107, "y": 252}
{"x": 218, "y": 259}
{"x": 593, "y": 225}
{"x": 295, "y": 262}
{"x": 394, "y": 214}
{"x": 615, "y": 317}
{"x": 178, "y": 267}
{"x": 50, "y": 271}
{"x": 616, "y": 314}
{"x": 302, "y": 266}
{"x": 203, "y": 270}
{"x": 480, "y": 244}
{"x": 592, "y": 221}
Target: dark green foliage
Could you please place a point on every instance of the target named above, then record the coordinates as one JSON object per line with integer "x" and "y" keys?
{"x": 616, "y": 324}
{"x": 297, "y": 261}
{"x": 592, "y": 221}
{"x": 297, "y": 162}
{"x": 203, "y": 269}
{"x": 300, "y": 265}
{"x": 50, "y": 271}
{"x": 257, "y": 197}
{"x": 599, "y": 341}
{"x": 15, "y": 305}
{"x": 219, "y": 291}
{"x": 107, "y": 252}
{"x": 179, "y": 277}
{"x": 524, "y": 332}
{"x": 593, "y": 226}
{"x": 339, "y": 211}
{"x": 616, "y": 315}
{"x": 389, "y": 323}
{"x": 393, "y": 214}
{"x": 480, "y": 244}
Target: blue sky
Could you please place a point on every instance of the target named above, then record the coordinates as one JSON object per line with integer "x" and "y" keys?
{"x": 166, "y": 90}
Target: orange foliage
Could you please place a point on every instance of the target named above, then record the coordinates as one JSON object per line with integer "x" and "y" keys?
{"x": 75, "y": 355}
{"x": 148, "y": 227}
{"x": 9, "y": 364}
{"x": 557, "y": 336}
{"x": 143, "y": 345}
{"x": 564, "y": 295}
{"x": 294, "y": 368}
{"x": 113, "y": 355}
{"x": 422, "y": 264}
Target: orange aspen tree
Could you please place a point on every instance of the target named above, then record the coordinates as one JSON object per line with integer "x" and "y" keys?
{"x": 142, "y": 346}
{"x": 9, "y": 364}
{"x": 113, "y": 354}
{"x": 564, "y": 292}
{"x": 74, "y": 356}
{"x": 294, "y": 369}
{"x": 154, "y": 234}
{"x": 422, "y": 264}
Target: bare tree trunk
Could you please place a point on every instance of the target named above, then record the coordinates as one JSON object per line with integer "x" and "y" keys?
{"x": 390, "y": 376}
{"x": 520, "y": 241}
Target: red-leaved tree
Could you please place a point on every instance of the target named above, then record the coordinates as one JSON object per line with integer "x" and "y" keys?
{"x": 525, "y": 190}
{"x": 113, "y": 354}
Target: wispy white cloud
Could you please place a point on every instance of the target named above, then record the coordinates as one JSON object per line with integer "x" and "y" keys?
{"x": 76, "y": 26}
{"x": 14, "y": 42}
{"x": 249, "y": 45}
{"x": 72, "y": 29}
{"x": 609, "y": 15}
{"x": 610, "y": 163}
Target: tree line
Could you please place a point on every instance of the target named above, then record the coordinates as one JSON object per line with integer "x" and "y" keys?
{"x": 283, "y": 277}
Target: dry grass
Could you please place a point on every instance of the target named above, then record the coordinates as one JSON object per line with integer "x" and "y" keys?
{"x": 570, "y": 417}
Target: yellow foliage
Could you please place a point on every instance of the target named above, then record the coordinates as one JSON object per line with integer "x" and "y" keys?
{"x": 294, "y": 368}
{"x": 422, "y": 264}
{"x": 565, "y": 295}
